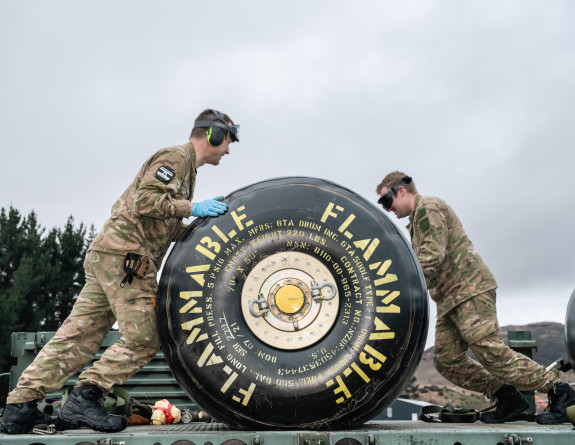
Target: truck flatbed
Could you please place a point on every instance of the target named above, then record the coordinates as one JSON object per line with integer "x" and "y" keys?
{"x": 371, "y": 433}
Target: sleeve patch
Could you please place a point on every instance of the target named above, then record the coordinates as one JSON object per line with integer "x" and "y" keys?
{"x": 165, "y": 174}
{"x": 421, "y": 213}
{"x": 424, "y": 224}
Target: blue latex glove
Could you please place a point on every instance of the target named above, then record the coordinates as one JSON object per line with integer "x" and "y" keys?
{"x": 209, "y": 207}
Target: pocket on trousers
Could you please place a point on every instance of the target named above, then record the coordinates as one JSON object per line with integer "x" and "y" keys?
{"x": 477, "y": 318}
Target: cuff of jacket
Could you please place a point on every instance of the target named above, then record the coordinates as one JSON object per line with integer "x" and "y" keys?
{"x": 183, "y": 209}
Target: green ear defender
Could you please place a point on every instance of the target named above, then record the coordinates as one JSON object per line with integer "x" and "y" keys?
{"x": 216, "y": 136}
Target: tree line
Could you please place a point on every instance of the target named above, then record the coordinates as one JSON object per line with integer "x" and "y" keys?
{"x": 41, "y": 274}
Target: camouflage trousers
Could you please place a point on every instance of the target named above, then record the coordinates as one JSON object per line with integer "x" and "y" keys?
{"x": 473, "y": 325}
{"x": 101, "y": 303}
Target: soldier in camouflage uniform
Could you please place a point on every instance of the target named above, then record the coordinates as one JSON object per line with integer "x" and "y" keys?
{"x": 144, "y": 221}
{"x": 463, "y": 288}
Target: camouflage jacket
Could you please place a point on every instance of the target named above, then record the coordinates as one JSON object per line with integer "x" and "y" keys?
{"x": 148, "y": 216}
{"x": 453, "y": 269}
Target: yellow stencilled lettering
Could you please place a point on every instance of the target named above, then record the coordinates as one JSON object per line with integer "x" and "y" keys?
{"x": 330, "y": 234}
{"x": 388, "y": 308}
{"x": 294, "y": 233}
{"x": 341, "y": 387}
{"x": 293, "y": 371}
{"x": 328, "y": 212}
{"x": 382, "y": 271}
{"x": 262, "y": 378}
{"x": 337, "y": 268}
{"x": 212, "y": 247}
{"x": 240, "y": 349}
{"x": 310, "y": 380}
{"x": 368, "y": 246}
{"x": 296, "y": 244}
{"x": 217, "y": 340}
{"x": 322, "y": 254}
{"x": 195, "y": 334}
{"x": 381, "y": 326}
{"x": 316, "y": 238}
{"x": 373, "y": 364}
{"x": 189, "y": 306}
{"x": 267, "y": 357}
{"x": 250, "y": 256}
{"x": 368, "y": 295}
{"x": 233, "y": 361}
{"x": 284, "y": 382}
{"x": 360, "y": 372}
{"x": 310, "y": 225}
{"x": 345, "y": 225}
{"x": 359, "y": 339}
{"x": 230, "y": 380}
{"x": 238, "y": 218}
{"x": 347, "y": 247}
{"x": 347, "y": 336}
{"x": 346, "y": 291}
{"x": 247, "y": 393}
{"x": 259, "y": 228}
{"x": 321, "y": 357}
{"x": 232, "y": 246}
{"x": 228, "y": 329}
{"x": 199, "y": 277}
{"x": 208, "y": 357}
{"x": 337, "y": 366}
{"x": 221, "y": 234}
{"x": 217, "y": 267}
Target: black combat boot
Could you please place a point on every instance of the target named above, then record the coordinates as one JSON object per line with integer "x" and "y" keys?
{"x": 19, "y": 418}
{"x": 560, "y": 397}
{"x": 84, "y": 408}
{"x": 509, "y": 403}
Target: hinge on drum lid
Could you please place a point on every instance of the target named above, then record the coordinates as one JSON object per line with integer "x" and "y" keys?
{"x": 313, "y": 439}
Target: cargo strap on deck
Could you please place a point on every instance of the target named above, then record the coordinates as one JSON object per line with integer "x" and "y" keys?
{"x": 448, "y": 414}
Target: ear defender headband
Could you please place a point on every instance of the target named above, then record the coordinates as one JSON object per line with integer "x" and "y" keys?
{"x": 386, "y": 200}
{"x": 217, "y": 131}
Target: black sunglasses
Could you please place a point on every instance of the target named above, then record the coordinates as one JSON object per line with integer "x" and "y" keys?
{"x": 234, "y": 132}
{"x": 386, "y": 200}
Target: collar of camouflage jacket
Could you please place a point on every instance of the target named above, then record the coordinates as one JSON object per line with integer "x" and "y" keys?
{"x": 192, "y": 150}
{"x": 412, "y": 215}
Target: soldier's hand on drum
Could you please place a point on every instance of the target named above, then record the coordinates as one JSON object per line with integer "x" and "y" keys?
{"x": 209, "y": 207}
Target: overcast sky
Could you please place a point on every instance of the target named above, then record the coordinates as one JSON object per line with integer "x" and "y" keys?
{"x": 475, "y": 100}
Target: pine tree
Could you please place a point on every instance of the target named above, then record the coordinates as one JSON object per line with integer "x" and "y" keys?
{"x": 67, "y": 277}
{"x": 40, "y": 276}
{"x": 19, "y": 240}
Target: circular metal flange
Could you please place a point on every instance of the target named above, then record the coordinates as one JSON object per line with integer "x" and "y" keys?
{"x": 294, "y": 320}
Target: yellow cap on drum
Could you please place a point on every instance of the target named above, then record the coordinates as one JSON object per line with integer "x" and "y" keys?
{"x": 289, "y": 299}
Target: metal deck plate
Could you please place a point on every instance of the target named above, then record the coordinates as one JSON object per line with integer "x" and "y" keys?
{"x": 372, "y": 433}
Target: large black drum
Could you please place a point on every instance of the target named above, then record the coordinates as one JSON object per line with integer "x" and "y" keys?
{"x": 303, "y": 307}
